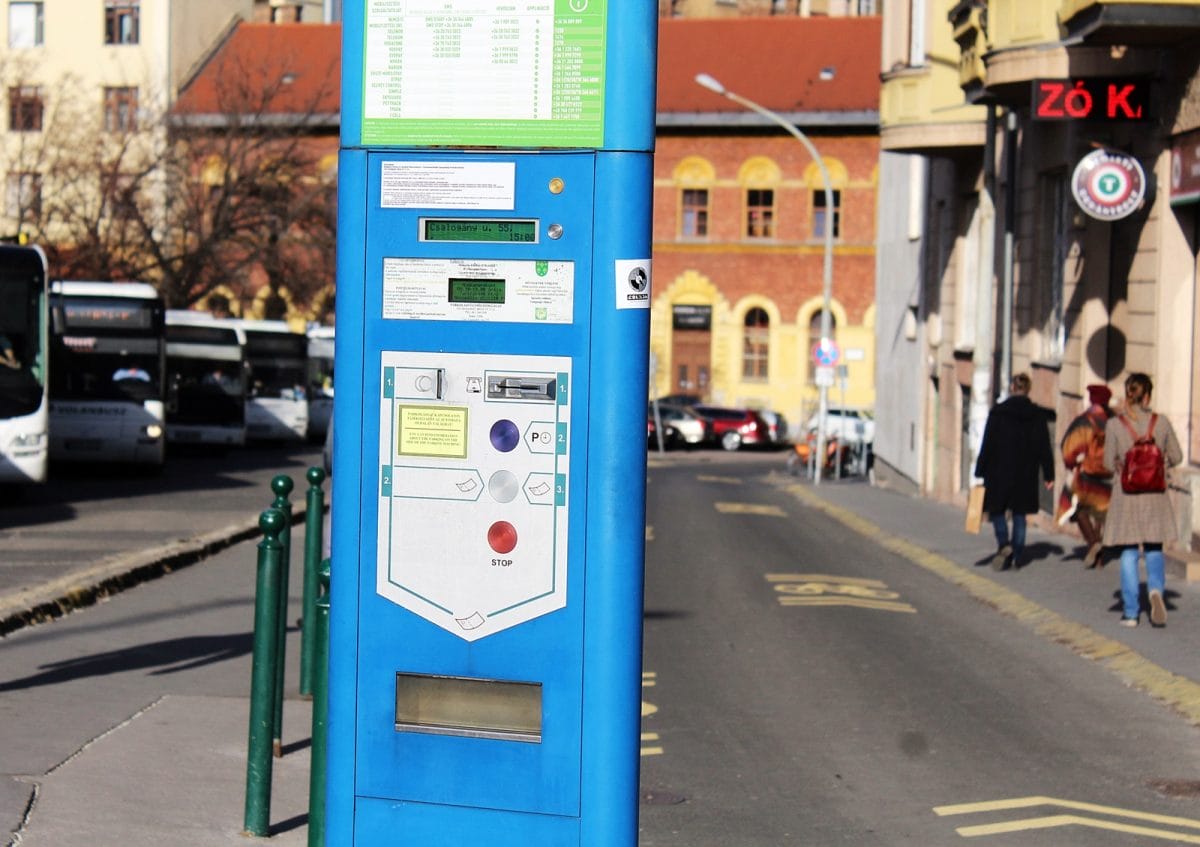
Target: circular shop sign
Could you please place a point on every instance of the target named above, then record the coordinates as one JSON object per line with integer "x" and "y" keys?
{"x": 1108, "y": 185}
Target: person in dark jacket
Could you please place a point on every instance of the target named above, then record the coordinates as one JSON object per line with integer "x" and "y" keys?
{"x": 1016, "y": 444}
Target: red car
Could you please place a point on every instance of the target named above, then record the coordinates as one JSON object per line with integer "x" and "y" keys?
{"x": 734, "y": 427}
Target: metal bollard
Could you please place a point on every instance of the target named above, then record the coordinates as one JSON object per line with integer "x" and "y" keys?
{"x": 282, "y": 486}
{"x": 320, "y": 712}
{"x": 257, "y": 818}
{"x": 314, "y": 525}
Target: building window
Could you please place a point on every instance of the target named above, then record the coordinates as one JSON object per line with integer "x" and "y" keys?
{"x": 821, "y": 214}
{"x": 695, "y": 213}
{"x": 121, "y": 21}
{"x": 25, "y": 108}
{"x": 760, "y": 213}
{"x": 120, "y": 197}
{"x": 120, "y": 109}
{"x": 755, "y": 344}
{"x": 25, "y": 25}
{"x": 23, "y": 195}
{"x": 1052, "y": 258}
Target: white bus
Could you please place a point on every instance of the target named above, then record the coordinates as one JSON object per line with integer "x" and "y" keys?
{"x": 106, "y": 373}
{"x": 277, "y": 361}
{"x": 24, "y": 406}
{"x": 320, "y": 381}
{"x": 206, "y": 380}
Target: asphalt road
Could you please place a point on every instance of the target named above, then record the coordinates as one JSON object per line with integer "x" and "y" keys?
{"x": 776, "y": 715}
{"x": 87, "y": 513}
{"x": 802, "y": 686}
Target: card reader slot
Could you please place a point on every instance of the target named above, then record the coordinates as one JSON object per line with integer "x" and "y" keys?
{"x": 500, "y": 387}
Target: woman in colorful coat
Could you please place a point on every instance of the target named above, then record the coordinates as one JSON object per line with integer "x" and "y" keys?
{"x": 1091, "y": 481}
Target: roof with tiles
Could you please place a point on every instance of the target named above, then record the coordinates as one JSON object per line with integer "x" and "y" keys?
{"x": 275, "y": 69}
{"x": 792, "y": 65}
{"x": 787, "y": 64}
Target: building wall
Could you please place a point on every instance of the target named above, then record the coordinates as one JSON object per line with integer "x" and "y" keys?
{"x": 782, "y": 275}
{"x": 901, "y": 339}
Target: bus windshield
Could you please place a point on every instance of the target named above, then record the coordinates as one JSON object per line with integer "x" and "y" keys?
{"x": 22, "y": 360}
{"x": 91, "y": 369}
{"x": 277, "y": 364}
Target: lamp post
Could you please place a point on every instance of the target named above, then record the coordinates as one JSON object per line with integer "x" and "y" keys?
{"x": 827, "y": 269}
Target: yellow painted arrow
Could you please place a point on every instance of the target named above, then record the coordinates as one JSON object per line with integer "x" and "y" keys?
{"x": 1051, "y": 821}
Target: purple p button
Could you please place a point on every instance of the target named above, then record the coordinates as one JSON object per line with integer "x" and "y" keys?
{"x": 504, "y": 435}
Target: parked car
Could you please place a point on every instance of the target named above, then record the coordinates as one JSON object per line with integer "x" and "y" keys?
{"x": 734, "y": 427}
{"x": 681, "y": 426}
{"x": 850, "y": 426}
{"x": 777, "y": 426}
{"x": 681, "y": 399}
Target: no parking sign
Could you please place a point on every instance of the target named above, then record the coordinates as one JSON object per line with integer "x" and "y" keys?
{"x": 825, "y": 352}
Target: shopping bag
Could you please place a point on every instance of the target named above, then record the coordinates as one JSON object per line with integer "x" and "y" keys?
{"x": 974, "y": 510}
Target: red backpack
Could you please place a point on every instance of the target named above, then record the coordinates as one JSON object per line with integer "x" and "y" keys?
{"x": 1143, "y": 469}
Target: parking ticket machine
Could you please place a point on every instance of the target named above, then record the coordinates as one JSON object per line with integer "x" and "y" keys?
{"x": 492, "y": 347}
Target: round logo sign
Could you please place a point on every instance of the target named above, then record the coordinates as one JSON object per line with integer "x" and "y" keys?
{"x": 1108, "y": 185}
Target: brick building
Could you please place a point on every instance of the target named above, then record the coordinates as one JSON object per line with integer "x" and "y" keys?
{"x": 739, "y": 209}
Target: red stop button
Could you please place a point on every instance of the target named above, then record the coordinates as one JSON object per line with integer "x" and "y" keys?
{"x": 502, "y": 537}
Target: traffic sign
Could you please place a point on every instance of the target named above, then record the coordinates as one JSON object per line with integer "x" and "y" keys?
{"x": 826, "y": 352}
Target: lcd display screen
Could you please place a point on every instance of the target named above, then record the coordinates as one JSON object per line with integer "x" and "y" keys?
{"x": 485, "y": 230}
{"x": 490, "y": 291}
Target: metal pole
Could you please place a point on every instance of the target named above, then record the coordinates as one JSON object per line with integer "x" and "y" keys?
{"x": 257, "y": 817}
{"x": 320, "y": 712}
{"x": 827, "y": 268}
{"x": 314, "y": 541}
{"x": 282, "y": 486}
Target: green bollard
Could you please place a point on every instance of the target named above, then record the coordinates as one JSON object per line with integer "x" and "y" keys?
{"x": 257, "y": 817}
{"x": 320, "y": 712}
{"x": 313, "y": 542}
{"x": 282, "y": 486}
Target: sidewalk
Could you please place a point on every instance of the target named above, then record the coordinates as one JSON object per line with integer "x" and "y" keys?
{"x": 1053, "y": 594}
{"x": 174, "y": 773}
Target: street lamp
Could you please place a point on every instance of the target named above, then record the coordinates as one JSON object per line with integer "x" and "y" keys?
{"x": 827, "y": 269}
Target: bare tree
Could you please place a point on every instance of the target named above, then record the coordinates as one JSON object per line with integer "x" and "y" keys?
{"x": 238, "y": 196}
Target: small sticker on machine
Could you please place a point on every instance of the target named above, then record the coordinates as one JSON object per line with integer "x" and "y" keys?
{"x": 633, "y": 283}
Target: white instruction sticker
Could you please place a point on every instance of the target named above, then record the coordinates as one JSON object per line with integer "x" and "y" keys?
{"x": 448, "y": 185}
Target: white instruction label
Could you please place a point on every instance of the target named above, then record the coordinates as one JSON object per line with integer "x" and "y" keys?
{"x": 448, "y": 185}
{"x": 478, "y": 290}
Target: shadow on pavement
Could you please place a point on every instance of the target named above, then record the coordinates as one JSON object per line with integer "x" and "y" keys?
{"x": 166, "y": 657}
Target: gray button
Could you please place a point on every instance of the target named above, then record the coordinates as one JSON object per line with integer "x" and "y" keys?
{"x": 503, "y": 486}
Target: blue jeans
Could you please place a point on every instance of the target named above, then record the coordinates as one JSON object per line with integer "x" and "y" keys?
{"x": 1000, "y": 527}
{"x": 1130, "y": 584}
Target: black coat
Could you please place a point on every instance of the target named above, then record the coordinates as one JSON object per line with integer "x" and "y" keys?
{"x": 1016, "y": 443}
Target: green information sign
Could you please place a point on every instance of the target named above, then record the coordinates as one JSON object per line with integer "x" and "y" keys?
{"x": 490, "y": 73}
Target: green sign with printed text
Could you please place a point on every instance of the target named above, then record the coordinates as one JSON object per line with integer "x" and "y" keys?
{"x": 484, "y": 73}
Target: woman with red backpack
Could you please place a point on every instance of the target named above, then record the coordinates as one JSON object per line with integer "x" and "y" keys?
{"x": 1139, "y": 446}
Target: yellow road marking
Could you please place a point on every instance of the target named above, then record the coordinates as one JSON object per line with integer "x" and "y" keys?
{"x": 881, "y": 605}
{"x": 649, "y": 679}
{"x": 649, "y": 532}
{"x": 1075, "y": 820}
{"x": 1177, "y": 692}
{"x": 820, "y": 577}
{"x": 728, "y": 480}
{"x": 652, "y": 751}
{"x": 1038, "y": 800}
{"x": 750, "y": 509}
{"x": 813, "y": 589}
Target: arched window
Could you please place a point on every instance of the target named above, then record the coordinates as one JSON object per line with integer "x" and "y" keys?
{"x": 755, "y": 344}
{"x": 814, "y": 336}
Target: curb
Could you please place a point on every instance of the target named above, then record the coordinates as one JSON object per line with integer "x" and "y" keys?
{"x": 83, "y": 588}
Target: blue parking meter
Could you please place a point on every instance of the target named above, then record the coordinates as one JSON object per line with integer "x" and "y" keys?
{"x": 492, "y": 349}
